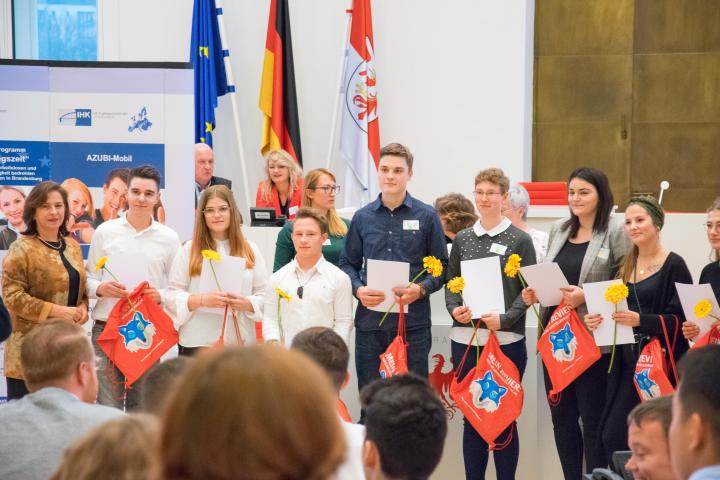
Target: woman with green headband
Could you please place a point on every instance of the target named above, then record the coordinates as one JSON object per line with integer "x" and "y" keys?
{"x": 650, "y": 272}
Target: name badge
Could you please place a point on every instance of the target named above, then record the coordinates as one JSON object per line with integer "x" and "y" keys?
{"x": 497, "y": 248}
{"x": 293, "y": 210}
{"x": 604, "y": 253}
{"x": 411, "y": 224}
{"x": 327, "y": 242}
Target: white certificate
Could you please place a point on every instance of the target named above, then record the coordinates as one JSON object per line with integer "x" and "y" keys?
{"x": 690, "y": 295}
{"x": 130, "y": 268}
{"x": 596, "y": 303}
{"x": 483, "y": 291}
{"x": 546, "y": 279}
{"x": 384, "y": 275}
{"x": 229, "y": 271}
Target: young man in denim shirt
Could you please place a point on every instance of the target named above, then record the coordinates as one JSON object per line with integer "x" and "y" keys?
{"x": 398, "y": 227}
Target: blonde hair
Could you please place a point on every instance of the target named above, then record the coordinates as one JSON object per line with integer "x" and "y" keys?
{"x": 337, "y": 227}
{"x": 258, "y": 412}
{"x": 71, "y": 184}
{"x": 715, "y": 254}
{"x": 122, "y": 449}
{"x": 202, "y": 240}
{"x": 495, "y": 176}
{"x": 286, "y": 160}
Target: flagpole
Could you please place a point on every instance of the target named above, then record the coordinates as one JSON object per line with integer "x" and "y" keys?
{"x": 236, "y": 114}
{"x": 341, "y": 78}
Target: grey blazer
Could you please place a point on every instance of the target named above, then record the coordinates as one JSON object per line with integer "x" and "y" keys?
{"x": 603, "y": 256}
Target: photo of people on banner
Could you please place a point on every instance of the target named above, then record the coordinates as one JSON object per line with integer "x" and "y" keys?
{"x": 91, "y": 203}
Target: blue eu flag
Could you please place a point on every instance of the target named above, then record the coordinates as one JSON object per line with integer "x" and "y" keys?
{"x": 206, "y": 55}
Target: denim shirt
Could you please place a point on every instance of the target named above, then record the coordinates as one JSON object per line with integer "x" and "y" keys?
{"x": 407, "y": 234}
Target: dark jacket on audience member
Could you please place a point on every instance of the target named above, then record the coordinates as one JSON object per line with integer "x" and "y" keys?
{"x": 5, "y": 324}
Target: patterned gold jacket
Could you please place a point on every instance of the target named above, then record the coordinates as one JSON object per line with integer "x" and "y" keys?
{"x": 33, "y": 279}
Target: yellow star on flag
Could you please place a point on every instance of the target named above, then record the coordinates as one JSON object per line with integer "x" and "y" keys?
{"x": 208, "y": 127}
{"x": 203, "y": 51}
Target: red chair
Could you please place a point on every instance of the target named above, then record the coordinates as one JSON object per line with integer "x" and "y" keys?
{"x": 546, "y": 193}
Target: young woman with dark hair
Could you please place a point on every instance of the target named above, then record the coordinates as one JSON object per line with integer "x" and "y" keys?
{"x": 588, "y": 247}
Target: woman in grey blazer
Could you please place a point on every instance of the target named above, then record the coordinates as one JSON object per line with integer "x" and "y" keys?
{"x": 589, "y": 247}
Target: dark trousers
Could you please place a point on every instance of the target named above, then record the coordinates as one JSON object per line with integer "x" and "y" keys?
{"x": 370, "y": 345}
{"x": 475, "y": 448}
{"x": 16, "y": 388}
{"x": 190, "y": 351}
{"x": 621, "y": 398}
{"x": 584, "y": 399}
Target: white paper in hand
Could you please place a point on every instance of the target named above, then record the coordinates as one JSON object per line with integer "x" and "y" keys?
{"x": 483, "y": 291}
{"x": 130, "y": 268}
{"x": 690, "y": 295}
{"x": 546, "y": 279}
{"x": 596, "y": 303}
{"x": 229, "y": 271}
{"x": 384, "y": 275}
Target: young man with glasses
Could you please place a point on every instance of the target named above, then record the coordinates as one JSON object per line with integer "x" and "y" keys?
{"x": 398, "y": 227}
{"x": 309, "y": 291}
{"x": 136, "y": 233}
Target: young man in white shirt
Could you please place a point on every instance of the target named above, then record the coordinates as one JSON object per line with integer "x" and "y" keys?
{"x": 315, "y": 293}
{"x": 136, "y": 233}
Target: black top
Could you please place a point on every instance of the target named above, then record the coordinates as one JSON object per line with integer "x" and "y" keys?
{"x": 5, "y": 324}
{"x": 284, "y": 207}
{"x": 73, "y": 275}
{"x": 711, "y": 274}
{"x": 570, "y": 259}
{"x": 641, "y": 293}
{"x": 98, "y": 218}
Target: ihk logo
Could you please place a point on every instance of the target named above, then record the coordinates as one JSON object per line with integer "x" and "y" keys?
{"x": 79, "y": 117}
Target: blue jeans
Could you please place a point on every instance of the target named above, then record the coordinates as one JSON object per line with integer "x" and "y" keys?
{"x": 475, "y": 449}
{"x": 370, "y": 345}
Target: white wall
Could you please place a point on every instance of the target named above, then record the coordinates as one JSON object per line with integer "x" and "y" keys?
{"x": 455, "y": 79}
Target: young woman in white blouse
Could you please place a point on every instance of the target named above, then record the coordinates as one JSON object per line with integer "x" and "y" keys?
{"x": 217, "y": 227}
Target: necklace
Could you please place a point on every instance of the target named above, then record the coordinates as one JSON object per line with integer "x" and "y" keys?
{"x": 651, "y": 268}
{"x": 301, "y": 288}
{"x": 50, "y": 245}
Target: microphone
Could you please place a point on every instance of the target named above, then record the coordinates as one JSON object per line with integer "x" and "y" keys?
{"x": 664, "y": 185}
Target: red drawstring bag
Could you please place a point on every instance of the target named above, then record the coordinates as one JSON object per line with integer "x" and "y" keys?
{"x": 650, "y": 378}
{"x": 490, "y": 396}
{"x": 137, "y": 333}
{"x": 394, "y": 360}
{"x": 567, "y": 348}
{"x": 712, "y": 337}
{"x": 221, "y": 341}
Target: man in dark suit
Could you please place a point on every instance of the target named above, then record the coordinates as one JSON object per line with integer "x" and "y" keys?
{"x": 204, "y": 169}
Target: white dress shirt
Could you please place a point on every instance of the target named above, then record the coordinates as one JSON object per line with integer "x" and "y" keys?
{"x": 352, "y": 467}
{"x": 158, "y": 242}
{"x": 326, "y": 302}
{"x": 200, "y": 328}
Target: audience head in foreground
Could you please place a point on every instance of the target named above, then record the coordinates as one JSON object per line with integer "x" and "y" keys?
{"x": 160, "y": 383}
{"x": 695, "y": 428}
{"x": 406, "y": 428}
{"x": 648, "y": 425}
{"x": 328, "y": 350}
{"x": 58, "y": 362}
{"x": 249, "y": 413}
{"x": 121, "y": 449}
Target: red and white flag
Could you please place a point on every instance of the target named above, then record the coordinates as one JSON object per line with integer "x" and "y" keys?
{"x": 360, "y": 136}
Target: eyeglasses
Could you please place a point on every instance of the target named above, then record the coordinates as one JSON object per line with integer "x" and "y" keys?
{"x": 491, "y": 194}
{"x": 328, "y": 189}
{"x": 709, "y": 226}
{"x": 209, "y": 212}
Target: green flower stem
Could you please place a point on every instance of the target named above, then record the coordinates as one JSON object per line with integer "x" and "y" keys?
{"x": 395, "y": 303}
{"x": 282, "y": 334}
{"x": 127, "y": 297}
{"x": 524, "y": 285}
{"x": 612, "y": 356}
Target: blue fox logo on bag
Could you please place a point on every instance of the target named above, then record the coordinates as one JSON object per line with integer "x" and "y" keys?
{"x": 487, "y": 393}
{"x": 648, "y": 388}
{"x": 563, "y": 344}
{"x": 137, "y": 333}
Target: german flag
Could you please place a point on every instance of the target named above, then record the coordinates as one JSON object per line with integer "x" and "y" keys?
{"x": 278, "y": 100}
